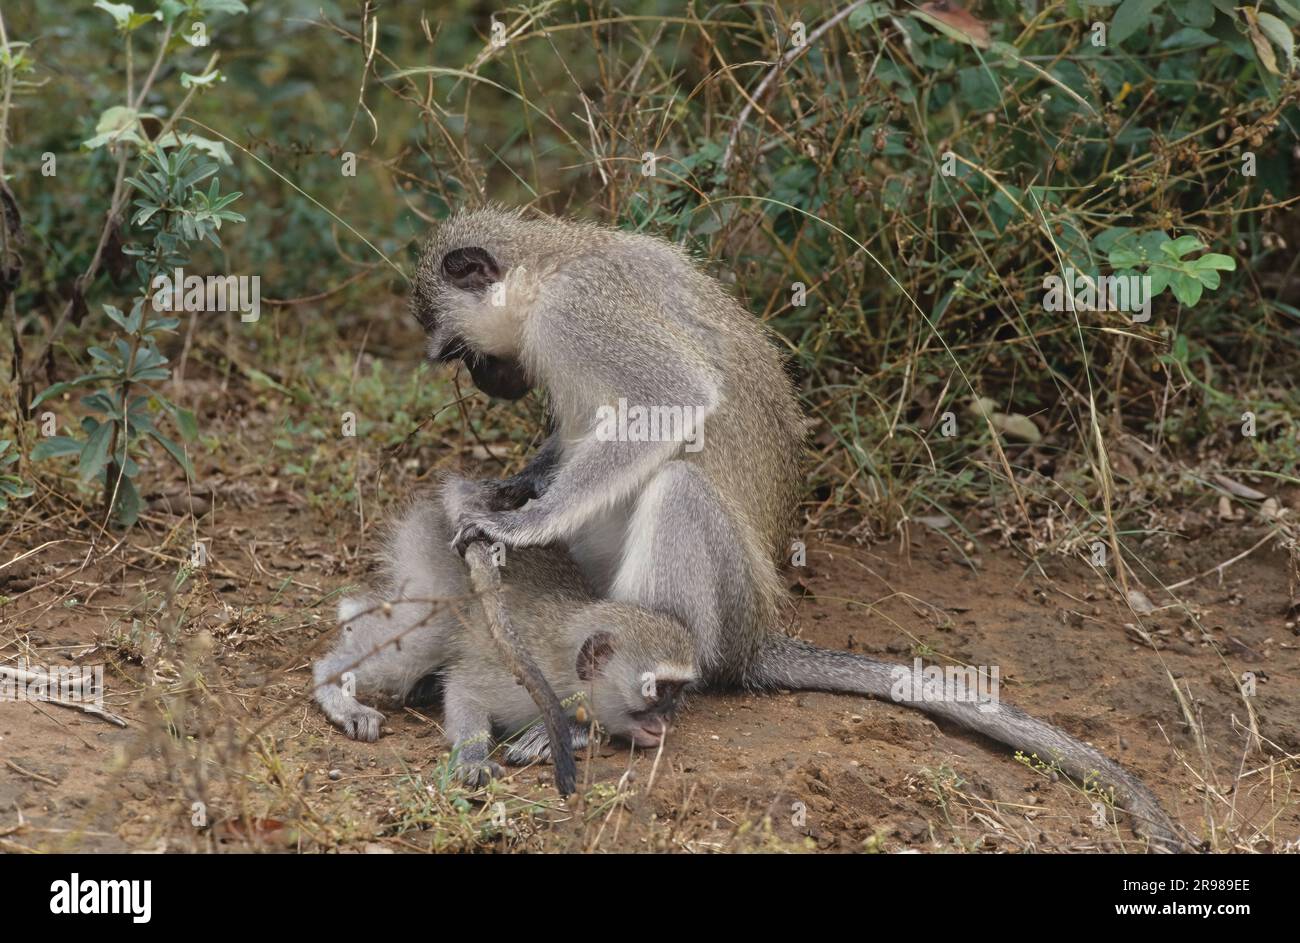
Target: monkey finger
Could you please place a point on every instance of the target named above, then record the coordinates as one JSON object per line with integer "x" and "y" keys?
{"x": 466, "y": 535}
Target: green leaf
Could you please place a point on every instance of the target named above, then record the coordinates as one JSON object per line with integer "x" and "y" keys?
{"x": 215, "y": 149}
{"x": 190, "y": 80}
{"x": 1280, "y": 33}
{"x": 171, "y": 10}
{"x": 1207, "y": 277}
{"x": 222, "y": 6}
{"x": 127, "y": 505}
{"x": 1187, "y": 37}
{"x": 164, "y": 324}
{"x": 1215, "y": 260}
{"x": 120, "y": 12}
{"x": 1186, "y": 288}
{"x": 151, "y": 373}
{"x": 1131, "y": 16}
{"x": 1110, "y": 238}
{"x": 1181, "y": 246}
{"x": 14, "y": 488}
{"x": 101, "y": 403}
{"x": 55, "y": 446}
{"x": 124, "y": 15}
{"x": 185, "y": 422}
{"x": 94, "y": 454}
{"x": 118, "y": 123}
{"x": 100, "y": 354}
{"x": 66, "y": 385}
{"x": 148, "y": 357}
{"x": 867, "y": 14}
{"x": 1151, "y": 242}
{"x": 1199, "y": 13}
{"x": 128, "y": 322}
{"x": 175, "y": 451}
{"x": 1121, "y": 258}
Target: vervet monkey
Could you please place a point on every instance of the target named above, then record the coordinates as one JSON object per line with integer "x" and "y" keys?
{"x": 630, "y": 667}
{"x": 627, "y": 665}
{"x": 689, "y": 524}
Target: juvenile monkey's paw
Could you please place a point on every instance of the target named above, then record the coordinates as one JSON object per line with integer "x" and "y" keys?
{"x": 361, "y": 723}
{"x": 478, "y": 773}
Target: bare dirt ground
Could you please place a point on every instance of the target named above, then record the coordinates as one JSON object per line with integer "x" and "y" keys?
{"x": 224, "y": 749}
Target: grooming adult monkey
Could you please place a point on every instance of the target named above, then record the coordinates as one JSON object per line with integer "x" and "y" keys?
{"x": 628, "y": 664}
{"x": 597, "y": 317}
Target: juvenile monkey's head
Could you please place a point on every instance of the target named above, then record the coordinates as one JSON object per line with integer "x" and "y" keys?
{"x": 637, "y": 674}
{"x": 472, "y": 293}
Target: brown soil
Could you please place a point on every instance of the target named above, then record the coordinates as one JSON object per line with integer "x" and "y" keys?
{"x": 741, "y": 771}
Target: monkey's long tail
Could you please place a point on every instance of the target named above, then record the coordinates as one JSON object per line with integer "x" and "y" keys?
{"x": 486, "y": 579}
{"x": 791, "y": 663}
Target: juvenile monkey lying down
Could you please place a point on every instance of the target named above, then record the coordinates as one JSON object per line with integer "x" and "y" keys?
{"x": 628, "y": 666}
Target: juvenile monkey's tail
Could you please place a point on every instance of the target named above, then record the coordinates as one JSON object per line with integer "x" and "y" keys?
{"x": 797, "y": 665}
{"x": 486, "y": 579}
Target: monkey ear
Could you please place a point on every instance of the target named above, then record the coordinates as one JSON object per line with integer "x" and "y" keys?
{"x": 471, "y": 269}
{"x": 596, "y": 651}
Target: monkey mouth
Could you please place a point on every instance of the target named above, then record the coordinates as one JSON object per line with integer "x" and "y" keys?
{"x": 649, "y": 733}
{"x": 499, "y": 377}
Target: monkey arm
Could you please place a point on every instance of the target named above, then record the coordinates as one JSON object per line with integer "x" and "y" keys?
{"x": 529, "y": 482}
{"x": 598, "y": 473}
{"x": 469, "y": 725}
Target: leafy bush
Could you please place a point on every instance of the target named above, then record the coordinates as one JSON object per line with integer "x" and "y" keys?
{"x": 920, "y": 171}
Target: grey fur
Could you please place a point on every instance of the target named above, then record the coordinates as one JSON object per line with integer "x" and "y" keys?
{"x": 393, "y": 638}
{"x": 423, "y": 620}
{"x": 593, "y": 315}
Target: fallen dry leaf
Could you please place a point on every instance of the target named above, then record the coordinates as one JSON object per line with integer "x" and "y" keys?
{"x": 952, "y": 20}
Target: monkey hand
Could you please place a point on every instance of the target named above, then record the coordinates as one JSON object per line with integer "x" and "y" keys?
{"x": 467, "y": 534}
{"x": 508, "y": 494}
{"x": 512, "y": 528}
{"x": 360, "y": 722}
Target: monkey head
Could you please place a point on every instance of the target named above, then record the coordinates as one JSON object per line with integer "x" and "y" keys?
{"x": 637, "y": 675}
{"x": 471, "y": 295}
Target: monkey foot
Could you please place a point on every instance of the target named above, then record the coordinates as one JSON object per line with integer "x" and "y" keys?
{"x": 533, "y": 744}
{"x": 361, "y": 723}
{"x": 478, "y": 774}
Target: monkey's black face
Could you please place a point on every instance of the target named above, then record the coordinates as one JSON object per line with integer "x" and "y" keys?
{"x": 474, "y": 271}
{"x": 499, "y": 377}
{"x": 665, "y": 702}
